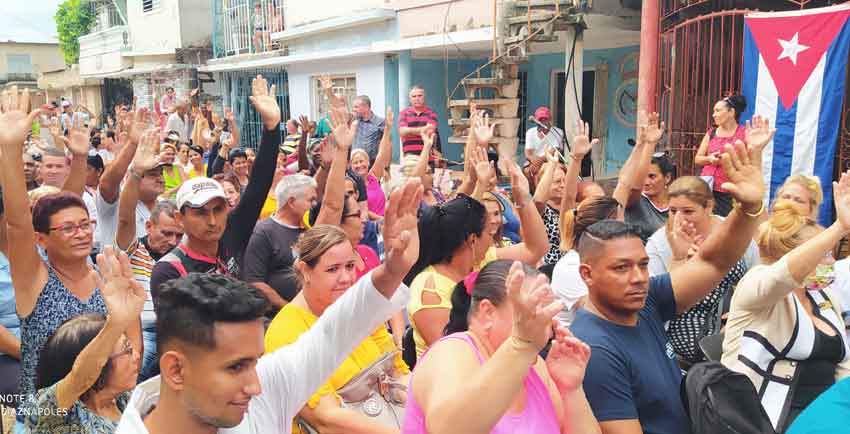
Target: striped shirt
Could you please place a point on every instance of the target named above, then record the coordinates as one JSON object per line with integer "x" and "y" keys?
{"x": 142, "y": 264}
{"x": 410, "y": 118}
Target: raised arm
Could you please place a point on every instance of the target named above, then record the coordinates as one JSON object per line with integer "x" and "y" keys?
{"x": 469, "y": 179}
{"x": 234, "y": 128}
{"x": 726, "y": 245}
{"x": 303, "y": 157}
{"x": 541, "y": 193}
{"x": 332, "y": 201}
{"x": 422, "y": 164}
{"x": 758, "y": 135}
{"x": 328, "y": 87}
{"x": 78, "y": 144}
{"x": 582, "y": 145}
{"x": 451, "y": 398}
{"x": 633, "y": 173}
{"x": 124, "y": 298}
{"x": 114, "y": 173}
{"x": 144, "y": 160}
{"x": 385, "y": 148}
{"x": 243, "y": 219}
{"x": 534, "y": 243}
{"x": 29, "y": 274}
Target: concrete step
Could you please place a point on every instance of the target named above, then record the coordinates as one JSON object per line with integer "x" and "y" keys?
{"x": 537, "y": 38}
{"x": 505, "y": 87}
{"x": 501, "y": 107}
{"x": 538, "y": 4}
{"x": 506, "y": 127}
{"x": 494, "y": 141}
{"x": 536, "y": 17}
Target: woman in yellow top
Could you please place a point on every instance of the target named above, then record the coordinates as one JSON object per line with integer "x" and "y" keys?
{"x": 457, "y": 238}
{"x": 196, "y": 159}
{"x": 326, "y": 268}
{"x": 173, "y": 175}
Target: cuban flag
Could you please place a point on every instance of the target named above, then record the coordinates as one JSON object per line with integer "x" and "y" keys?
{"x": 794, "y": 72}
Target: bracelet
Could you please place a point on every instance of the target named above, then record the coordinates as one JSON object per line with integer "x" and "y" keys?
{"x": 574, "y": 157}
{"x": 737, "y": 205}
{"x": 524, "y": 203}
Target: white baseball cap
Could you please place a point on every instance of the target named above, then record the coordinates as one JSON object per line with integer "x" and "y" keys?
{"x": 66, "y": 103}
{"x": 197, "y": 192}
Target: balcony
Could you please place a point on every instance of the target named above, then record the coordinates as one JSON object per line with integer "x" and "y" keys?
{"x": 100, "y": 52}
{"x": 245, "y": 26}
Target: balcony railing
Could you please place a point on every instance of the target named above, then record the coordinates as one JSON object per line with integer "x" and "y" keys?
{"x": 245, "y": 26}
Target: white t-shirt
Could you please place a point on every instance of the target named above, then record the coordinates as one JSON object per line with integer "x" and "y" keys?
{"x": 91, "y": 206}
{"x": 659, "y": 252}
{"x": 176, "y": 123}
{"x": 535, "y": 143}
{"x": 568, "y": 285}
{"x": 107, "y": 220}
{"x": 291, "y": 375}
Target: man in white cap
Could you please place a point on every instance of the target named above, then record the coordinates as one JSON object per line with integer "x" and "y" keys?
{"x": 67, "y": 118}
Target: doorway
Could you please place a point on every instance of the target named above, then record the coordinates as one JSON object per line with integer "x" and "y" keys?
{"x": 587, "y": 91}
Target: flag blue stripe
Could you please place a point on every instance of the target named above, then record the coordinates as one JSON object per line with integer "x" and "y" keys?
{"x": 830, "y": 116}
{"x": 751, "y": 73}
{"x": 783, "y": 146}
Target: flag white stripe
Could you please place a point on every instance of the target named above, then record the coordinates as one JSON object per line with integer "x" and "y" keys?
{"x": 806, "y": 130}
{"x": 766, "y": 104}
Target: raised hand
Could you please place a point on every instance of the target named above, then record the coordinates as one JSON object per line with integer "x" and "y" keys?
{"x": 326, "y": 152}
{"x": 79, "y": 139}
{"x": 228, "y": 114}
{"x": 534, "y": 306}
{"x": 841, "y": 196}
{"x": 146, "y": 157}
{"x": 650, "y": 131}
{"x": 519, "y": 183}
{"x": 141, "y": 122}
{"x": 682, "y": 237}
{"x": 758, "y": 134}
{"x": 390, "y": 117}
{"x": 582, "y": 144}
{"x": 484, "y": 129}
{"x": 326, "y": 82}
{"x": 746, "y": 183}
{"x": 427, "y": 143}
{"x": 123, "y": 295}
{"x": 343, "y": 132}
{"x": 401, "y": 235}
{"x": 264, "y": 100}
{"x": 485, "y": 171}
{"x": 567, "y": 359}
{"x": 15, "y": 123}
{"x": 216, "y": 119}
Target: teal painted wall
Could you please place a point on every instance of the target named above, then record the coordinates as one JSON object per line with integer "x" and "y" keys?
{"x": 391, "y": 97}
{"x": 430, "y": 73}
{"x": 539, "y": 70}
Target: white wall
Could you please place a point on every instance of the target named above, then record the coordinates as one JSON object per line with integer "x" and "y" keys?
{"x": 195, "y": 21}
{"x": 298, "y": 12}
{"x": 155, "y": 32}
{"x": 368, "y": 70}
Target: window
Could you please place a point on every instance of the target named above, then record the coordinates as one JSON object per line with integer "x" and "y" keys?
{"x": 344, "y": 85}
{"x": 19, "y": 64}
{"x": 150, "y": 5}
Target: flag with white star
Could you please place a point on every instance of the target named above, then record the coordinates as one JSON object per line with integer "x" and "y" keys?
{"x": 794, "y": 74}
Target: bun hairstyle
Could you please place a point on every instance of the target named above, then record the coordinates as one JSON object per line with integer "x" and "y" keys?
{"x": 588, "y": 212}
{"x": 786, "y": 229}
{"x": 738, "y": 103}
{"x": 311, "y": 245}
{"x": 487, "y": 284}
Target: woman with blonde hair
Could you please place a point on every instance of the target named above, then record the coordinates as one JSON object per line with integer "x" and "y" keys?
{"x": 691, "y": 221}
{"x": 803, "y": 192}
{"x": 785, "y": 330}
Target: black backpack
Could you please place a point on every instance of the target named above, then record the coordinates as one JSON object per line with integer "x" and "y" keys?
{"x": 721, "y": 401}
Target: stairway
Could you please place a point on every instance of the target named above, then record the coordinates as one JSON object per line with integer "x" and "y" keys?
{"x": 521, "y": 25}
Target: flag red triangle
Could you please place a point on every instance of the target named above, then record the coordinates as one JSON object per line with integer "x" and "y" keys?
{"x": 808, "y": 36}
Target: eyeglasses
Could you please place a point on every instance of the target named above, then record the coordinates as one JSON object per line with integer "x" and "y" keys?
{"x": 127, "y": 348}
{"x": 71, "y": 229}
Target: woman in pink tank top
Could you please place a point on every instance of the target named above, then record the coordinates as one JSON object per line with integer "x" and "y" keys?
{"x": 486, "y": 375}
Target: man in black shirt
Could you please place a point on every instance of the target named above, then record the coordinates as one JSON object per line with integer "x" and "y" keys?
{"x": 217, "y": 236}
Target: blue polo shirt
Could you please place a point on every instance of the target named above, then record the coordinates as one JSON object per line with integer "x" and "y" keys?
{"x": 633, "y": 372}
{"x": 827, "y": 414}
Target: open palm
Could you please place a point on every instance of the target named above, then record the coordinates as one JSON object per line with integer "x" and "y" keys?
{"x": 15, "y": 123}
{"x": 567, "y": 360}
{"x": 123, "y": 295}
{"x": 582, "y": 144}
{"x": 79, "y": 139}
{"x": 758, "y": 134}
{"x": 401, "y": 235}
{"x": 484, "y": 129}
{"x": 841, "y": 196}
{"x": 746, "y": 183}
{"x": 651, "y": 130}
{"x": 265, "y": 102}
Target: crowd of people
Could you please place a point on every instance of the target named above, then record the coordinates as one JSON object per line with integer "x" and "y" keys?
{"x": 157, "y": 277}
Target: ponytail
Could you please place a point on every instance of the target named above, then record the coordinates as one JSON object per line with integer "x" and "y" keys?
{"x": 459, "y": 315}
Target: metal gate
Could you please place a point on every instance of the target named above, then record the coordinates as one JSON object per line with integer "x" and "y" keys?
{"x": 700, "y": 62}
{"x": 236, "y": 88}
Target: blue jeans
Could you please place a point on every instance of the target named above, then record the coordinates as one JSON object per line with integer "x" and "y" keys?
{"x": 150, "y": 359}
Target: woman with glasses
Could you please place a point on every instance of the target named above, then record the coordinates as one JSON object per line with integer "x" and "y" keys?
{"x": 89, "y": 365}
{"x": 47, "y": 292}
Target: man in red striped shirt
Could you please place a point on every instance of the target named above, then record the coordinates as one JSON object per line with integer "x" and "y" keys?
{"x": 414, "y": 121}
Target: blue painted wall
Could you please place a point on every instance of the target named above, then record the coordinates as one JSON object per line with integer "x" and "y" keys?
{"x": 431, "y": 75}
{"x": 391, "y": 97}
{"x": 539, "y": 70}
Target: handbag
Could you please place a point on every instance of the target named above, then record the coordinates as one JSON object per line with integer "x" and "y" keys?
{"x": 374, "y": 393}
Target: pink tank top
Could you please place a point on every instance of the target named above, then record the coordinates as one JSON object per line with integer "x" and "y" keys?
{"x": 717, "y": 144}
{"x": 538, "y": 416}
